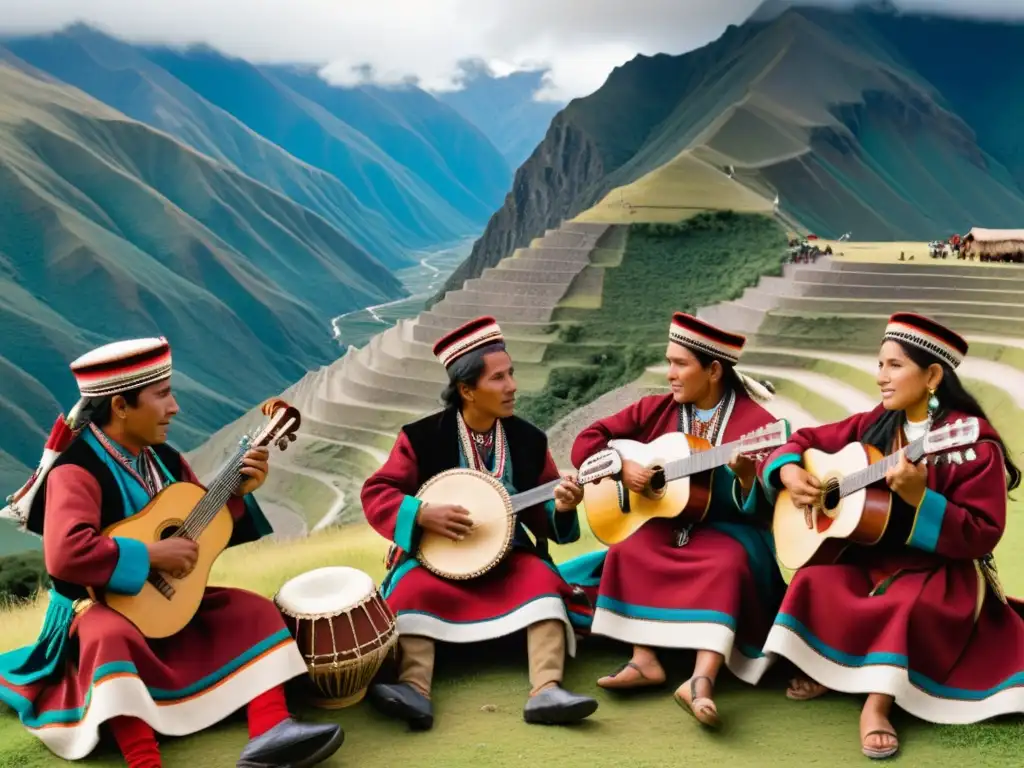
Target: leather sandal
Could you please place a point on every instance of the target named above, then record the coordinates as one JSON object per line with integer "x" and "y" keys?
{"x": 876, "y": 753}
{"x": 643, "y": 682}
{"x": 705, "y": 714}
{"x": 818, "y": 690}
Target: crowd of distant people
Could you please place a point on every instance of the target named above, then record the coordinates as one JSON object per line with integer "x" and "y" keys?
{"x": 965, "y": 249}
{"x": 806, "y": 251}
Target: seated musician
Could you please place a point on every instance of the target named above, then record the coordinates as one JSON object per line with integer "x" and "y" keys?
{"x": 477, "y": 430}
{"x": 918, "y": 619}
{"x": 710, "y": 585}
{"x": 91, "y": 668}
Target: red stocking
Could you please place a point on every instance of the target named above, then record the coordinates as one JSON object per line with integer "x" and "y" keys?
{"x": 267, "y": 710}
{"x": 136, "y": 741}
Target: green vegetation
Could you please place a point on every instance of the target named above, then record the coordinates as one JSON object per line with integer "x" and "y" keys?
{"x": 22, "y": 576}
{"x": 569, "y": 388}
{"x": 706, "y": 259}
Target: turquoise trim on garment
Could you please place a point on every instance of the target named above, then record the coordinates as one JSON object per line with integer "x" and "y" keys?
{"x": 74, "y": 715}
{"x": 565, "y": 526}
{"x": 928, "y": 521}
{"x": 884, "y": 659}
{"x": 395, "y": 575}
{"x": 132, "y": 567}
{"x": 35, "y": 662}
{"x": 770, "y": 480}
{"x": 580, "y": 620}
{"x": 584, "y": 570}
{"x": 405, "y": 522}
{"x": 134, "y": 496}
{"x": 677, "y": 616}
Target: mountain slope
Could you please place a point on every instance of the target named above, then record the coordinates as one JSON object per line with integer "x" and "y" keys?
{"x": 414, "y": 206}
{"x": 110, "y": 229}
{"x": 504, "y": 109}
{"x": 852, "y": 128}
{"x": 426, "y": 136}
{"x": 120, "y": 76}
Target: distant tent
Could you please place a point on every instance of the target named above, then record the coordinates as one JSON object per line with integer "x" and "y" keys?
{"x": 994, "y": 242}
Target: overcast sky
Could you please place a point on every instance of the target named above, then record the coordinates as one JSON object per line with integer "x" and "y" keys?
{"x": 578, "y": 41}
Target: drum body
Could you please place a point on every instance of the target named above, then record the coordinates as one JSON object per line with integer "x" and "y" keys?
{"x": 344, "y": 629}
{"x": 490, "y": 508}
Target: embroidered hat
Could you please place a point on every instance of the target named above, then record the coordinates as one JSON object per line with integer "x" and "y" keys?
{"x": 122, "y": 366}
{"x": 109, "y": 370}
{"x": 472, "y": 335}
{"x": 699, "y": 336}
{"x": 927, "y": 335}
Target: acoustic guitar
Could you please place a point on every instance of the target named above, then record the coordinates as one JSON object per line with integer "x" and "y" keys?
{"x": 680, "y": 486}
{"x": 166, "y": 605}
{"x": 493, "y": 512}
{"x": 850, "y": 510}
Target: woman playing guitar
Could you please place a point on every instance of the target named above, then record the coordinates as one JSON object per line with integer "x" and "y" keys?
{"x": 710, "y": 585}
{"x": 918, "y": 619}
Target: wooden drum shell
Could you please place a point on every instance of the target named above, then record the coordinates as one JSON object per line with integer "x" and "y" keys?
{"x": 344, "y": 651}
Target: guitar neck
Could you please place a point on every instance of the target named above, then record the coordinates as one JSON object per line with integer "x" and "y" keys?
{"x": 538, "y": 495}
{"x": 217, "y": 495}
{"x": 874, "y": 473}
{"x": 704, "y": 461}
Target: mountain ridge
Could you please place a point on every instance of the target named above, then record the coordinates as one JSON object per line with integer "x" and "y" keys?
{"x": 227, "y": 268}
{"x": 435, "y": 180}
{"x": 835, "y": 88}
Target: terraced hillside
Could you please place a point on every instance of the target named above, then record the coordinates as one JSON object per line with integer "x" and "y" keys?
{"x": 353, "y": 408}
{"x": 848, "y": 118}
{"x": 584, "y": 309}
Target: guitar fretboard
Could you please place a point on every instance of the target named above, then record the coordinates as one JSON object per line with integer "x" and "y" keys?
{"x": 538, "y": 495}
{"x": 863, "y": 478}
{"x": 704, "y": 461}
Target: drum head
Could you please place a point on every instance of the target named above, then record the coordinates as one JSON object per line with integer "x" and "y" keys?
{"x": 491, "y": 512}
{"x": 325, "y": 591}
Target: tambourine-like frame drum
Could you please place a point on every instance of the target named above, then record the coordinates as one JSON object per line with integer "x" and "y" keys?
{"x": 343, "y": 642}
{"x": 490, "y": 508}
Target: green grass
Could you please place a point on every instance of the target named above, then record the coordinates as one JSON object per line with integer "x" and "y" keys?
{"x": 480, "y": 690}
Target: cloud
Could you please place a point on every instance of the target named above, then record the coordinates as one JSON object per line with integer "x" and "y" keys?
{"x": 578, "y": 42}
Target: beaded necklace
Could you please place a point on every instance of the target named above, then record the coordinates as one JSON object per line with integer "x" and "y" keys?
{"x": 711, "y": 429}
{"x": 472, "y": 445}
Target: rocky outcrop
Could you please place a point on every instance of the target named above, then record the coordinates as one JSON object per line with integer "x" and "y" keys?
{"x": 555, "y": 184}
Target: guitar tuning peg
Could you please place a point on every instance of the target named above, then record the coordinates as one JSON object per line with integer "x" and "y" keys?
{"x": 970, "y": 454}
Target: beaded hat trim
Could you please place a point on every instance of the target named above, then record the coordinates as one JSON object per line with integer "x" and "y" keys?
{"x": 927, "y": 335}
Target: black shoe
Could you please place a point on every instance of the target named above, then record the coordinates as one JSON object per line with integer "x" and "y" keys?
{"x": 557, "y": 706}
{"x": 403, "y": 702}
{"x": 291, "y": 744}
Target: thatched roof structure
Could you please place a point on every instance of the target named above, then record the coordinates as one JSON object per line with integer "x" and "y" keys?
{"x": 994, "y": 242}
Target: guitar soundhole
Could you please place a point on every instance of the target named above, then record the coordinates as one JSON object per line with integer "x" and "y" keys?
{"x": 830, "y": 496}
{"x": 658, "y": 479}
{"x": 169, "y": 531}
